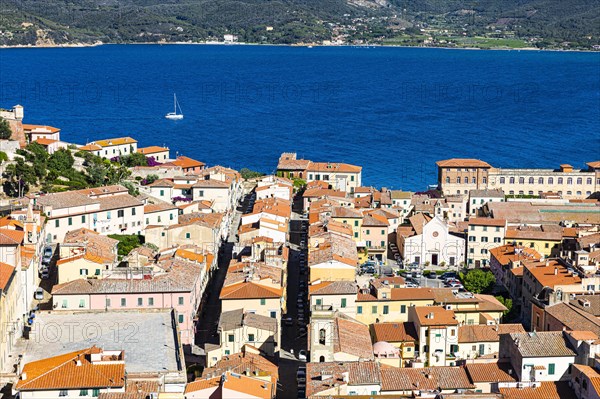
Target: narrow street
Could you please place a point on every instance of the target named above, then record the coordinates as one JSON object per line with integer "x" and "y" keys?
{"x": 206, "y": 331}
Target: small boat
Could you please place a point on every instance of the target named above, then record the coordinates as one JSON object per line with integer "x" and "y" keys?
{"x": 174, "y": 115}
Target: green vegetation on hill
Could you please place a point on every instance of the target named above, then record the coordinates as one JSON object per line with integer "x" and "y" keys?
{"x": 487, "y": 23}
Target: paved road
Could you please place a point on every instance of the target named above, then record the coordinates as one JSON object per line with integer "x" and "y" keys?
{"x": 291, "y": 339}
{"x": 206, "y": 331}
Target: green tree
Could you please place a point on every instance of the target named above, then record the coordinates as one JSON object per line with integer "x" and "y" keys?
{"x": 151, "y": 179}
{"x": 250, "y": 174}
{"x": 131, "y": 188}
{"x": 61, "y": 161}
{"x": 478, "y": 281}
{"x": 127, "y": 242}
{"x": 134, "y": 159}
{"x": 3, "y": 157}
{"x": 5, "y": 130}
{"x": 299, "y": 183}
{"x": 506, "y": 302}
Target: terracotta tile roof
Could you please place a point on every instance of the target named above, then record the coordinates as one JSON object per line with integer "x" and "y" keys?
{"x": 546, "y": 233}
{"x": 397, "y": 194}
{"x": 462, "y": 163}
{"x": 6, "y": 272}
{"x": 186, "y": 162}
{"x": 240, "y": 362}
{"x": 151, "y": 208}
{"x": 323, "y": 192}
{"x": 487, "y": 222}
{"x": 395, "y": 332}
{"x": 418, "y": 221}
{"x": 162, "y": 183}
{"x": 583, "y": 335}
{"x": 11, "y": 237}
{"x": 234, "y": 319}
{"x": 62, "y": 372}
{"x": 353, "y": 338}
{"x": 359, "y": 373}
{"x": 486, "y": 193}
{"x": 490, "y": 372}
{"x": 202, "y": 183}
{"x": 152, "y": 149}
{"x": 374, "y": 220}
{"x": 594, "y": 165}
{"x": 336, "y": 247}
{"x": 428, "y": 378}
{"x": 345, "y": 213}
{"x": 28, "y": 127}
{"x": 544, "y": 274}
{"x": 180, "y": 276}
{"x": 541, "y": 344}
{"x": 333, "y": 288}
{"x": 505, "y": 254}
{"x": 435, "y": 316}
{"x": 115, "y": 141}
{"x": 293, "y": 164}
{"x": 545, "y": 390}
{"x": 98, "y": 248}
{"x": 44, "y": 142}
{"x": 573, "y": 318}
{"x": 486, "y": 333}
{"x": 193, "y": 256}
{"x": 90, "y": 147}
{"x": 249, "y": 290}
{"x": 250, "y": 386}
{"x": 588, "y": 303}
{"x": 325, "y": 167}
{"x": 211, "y": 220}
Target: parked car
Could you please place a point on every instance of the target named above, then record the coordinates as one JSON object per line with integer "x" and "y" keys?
{"x": 288, "y": 321}
{"x": 447, "y": 275}
{"x": 302, "y": 355}
{"x": 38, "y": 294}
{"x": 47, "y": 256}
{"x": 45, "y": 274}
{"x": 301, "y": 376}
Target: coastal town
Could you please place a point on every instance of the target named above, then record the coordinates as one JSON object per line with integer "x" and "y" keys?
{"x": 130, "y": 273}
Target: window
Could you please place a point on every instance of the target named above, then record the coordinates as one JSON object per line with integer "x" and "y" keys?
{"x": 150, "y": 301}
{"x": 83, "y": 219}
{"x": 351, "y": 178}
{"x": 355, "y": 235}
{"x": 521, "y": 180}
{"x": 356, "y": 223}
{"x": 551, "y": 180}
{"x": 325, "y": 177}
{"x": 343, "y": 302}
{"x": 83, "y": 272}
{"x": 82, "y": 303}
{"x": 200, "y": 193}
{"x": 107, "y": 302}
{"x": 188, "y": 235}
{"x": 579, "y": 180}
{"x": 359, "y": 309}
{"x": 263, "y": 301}
{"x": 273, "y": 314}
{"x": 83, "y": 392}
{"x": 447, "y": 180}
{"x": 319, "y": 302}
{"x": 227, "y": 352}
{"x": 108, "y": 215}
{"x": 57, "y": 223}
{"x": 484, "y": 228}
{"x": 64, "y": 304}
{"x": 63, "y": 392}
{"x": 70, "y": 221}
{"x": 132, "y": 211}
{"x": 140, "y": 301}
{"x": 502, "y": 180}
{"x": 472, "y": 238}
{"x": 322, "y": 336}
{"x": 541, "y": 180}
{"x": 560, "y": 180}
{"x": 511, "y": 180}
{"x": 230, "y": 338}
{"x": 251, "y": 337}
{"x": 458, "y": 180}
{"x": 484, "y": 239}
{"x": 123, "y": 302}
{"x": 368, "y": 231}
{"x": 180, "y": 300}
{"x": 569, "y": 180}
{"x": 386, "y": 309}
{"x": 147, "y": 221}
{"x": 374, "y": 309}
{"x": 484, "y": 180}
{"x": 180, "y": 318}
{"x": 589, "y": 180}
{"x": 531, "y": 180}
{"x": 162, "y": 193}
{"x": 551, "y": 369}
{"x": 170, "y": 216}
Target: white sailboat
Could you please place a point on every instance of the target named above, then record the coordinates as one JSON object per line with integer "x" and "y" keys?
{"x": 174, "y": 115}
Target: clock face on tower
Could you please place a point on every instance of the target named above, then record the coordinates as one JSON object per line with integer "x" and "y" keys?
{"x": 435, "y": 233}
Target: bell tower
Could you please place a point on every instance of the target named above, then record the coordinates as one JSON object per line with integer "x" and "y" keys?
{"x": 30, "y": 227}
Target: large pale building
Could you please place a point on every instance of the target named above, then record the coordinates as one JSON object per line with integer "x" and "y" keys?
{"x": 459, "y": 176}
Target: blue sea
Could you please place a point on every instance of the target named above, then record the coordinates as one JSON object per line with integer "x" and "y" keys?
{"x": 394, "y": 111}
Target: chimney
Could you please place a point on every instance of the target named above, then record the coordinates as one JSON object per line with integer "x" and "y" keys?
{"x": 247, "y": 370}
{"x": 555, "y": 271}
{"x": 23, "y": 376}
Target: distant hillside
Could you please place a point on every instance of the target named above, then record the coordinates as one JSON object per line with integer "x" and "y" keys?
{"x": 486, "y": 23}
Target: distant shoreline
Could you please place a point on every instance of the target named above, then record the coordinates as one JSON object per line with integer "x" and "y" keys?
{"x": 81, "y": 45}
